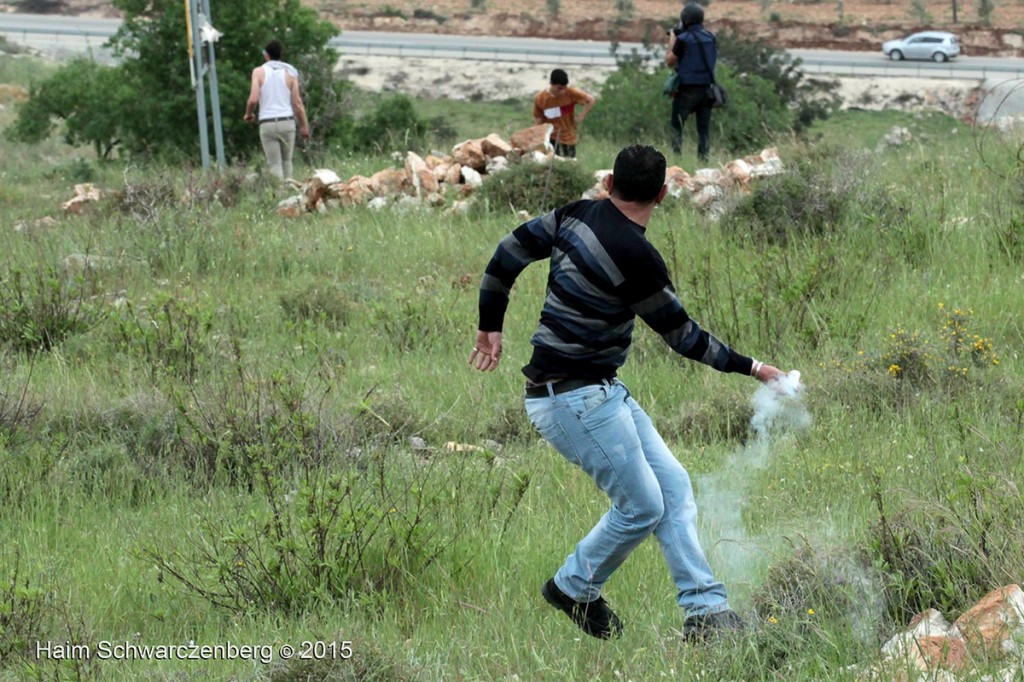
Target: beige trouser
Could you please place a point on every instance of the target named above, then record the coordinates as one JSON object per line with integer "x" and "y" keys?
{"x": 278, "y": 139}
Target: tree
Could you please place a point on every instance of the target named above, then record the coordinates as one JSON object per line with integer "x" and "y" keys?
{"x": 157, "y": 117}
{"x": 89, "y": 98}
{"x": 810, "y": 98}
{"x": 632, "y": 108}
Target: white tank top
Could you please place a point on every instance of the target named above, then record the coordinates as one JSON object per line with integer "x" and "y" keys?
{"x": 275, "y": 97}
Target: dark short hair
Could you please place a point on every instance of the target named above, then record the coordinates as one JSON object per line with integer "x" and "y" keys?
{"x": 639, "y": 174}
{"x": 273, "y": 49}
{"x": 559, "y": 77}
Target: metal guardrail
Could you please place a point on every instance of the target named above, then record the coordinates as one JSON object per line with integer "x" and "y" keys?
{"x": 492, "y": 53}
{"x": 912, "y": 70}
{"x": 513, "y": 55}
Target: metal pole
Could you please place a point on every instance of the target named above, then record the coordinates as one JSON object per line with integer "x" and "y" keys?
{"x": 196, "y": 54}
{"x": 218, "y": 129}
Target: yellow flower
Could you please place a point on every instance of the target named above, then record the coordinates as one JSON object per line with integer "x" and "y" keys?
{"x": 773, "y": 620}
{"x": 810, "y": 612}
{"x": 894, "y": 370}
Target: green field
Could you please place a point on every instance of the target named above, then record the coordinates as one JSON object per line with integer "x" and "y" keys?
{"x": 234, "y": 427}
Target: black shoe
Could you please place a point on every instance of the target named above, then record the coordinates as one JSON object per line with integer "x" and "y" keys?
{"x": 594, "y": 618}
{"x": 701, "y": 627}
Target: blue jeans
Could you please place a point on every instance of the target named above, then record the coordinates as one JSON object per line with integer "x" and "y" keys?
{"x": 606, "y": 433}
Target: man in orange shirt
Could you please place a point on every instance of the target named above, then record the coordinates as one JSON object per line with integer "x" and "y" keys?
{"x": 556, "y": 105}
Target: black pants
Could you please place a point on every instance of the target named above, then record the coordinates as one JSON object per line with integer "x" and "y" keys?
{"x": 567, "y": 151}
{"x": 692, "y": 99}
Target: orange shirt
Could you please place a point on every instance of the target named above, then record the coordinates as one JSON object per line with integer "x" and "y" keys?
{"x": 560, "y": 111}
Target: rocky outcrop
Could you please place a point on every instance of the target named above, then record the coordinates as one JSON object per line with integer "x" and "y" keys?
{"x": 86, "y": 194}
{"x": 439, "y": 181}
{"x": 986, "y": 637}
{"x": 421, "y": 181}
{"x": 708, "y": 188}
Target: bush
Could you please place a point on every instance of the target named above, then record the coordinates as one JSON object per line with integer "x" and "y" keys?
{"x": 811, "y": 198}
{"x": 754, "y": 116}
{"x": 535, "y": 187}
{"x": 808, "y": 99}
{"x": 916, "y": 360}
{"x": 327, "y": 521}
{"x": 392, "y": 125}
{"x": 633, "y": 109}
{"x": 18, "y": 411}
{"x": 23, "y": 610}
{"x": 947, "y": 555}
{"x": 329, "y": 304}
{"x": 40, "y": 308}
{"x": 171, "y": 334}
{"x": 810, "y": 593}
{"x": 1010, "y": 239}
{"x": 32, "y": 612}
{"x": 90, "y": 100}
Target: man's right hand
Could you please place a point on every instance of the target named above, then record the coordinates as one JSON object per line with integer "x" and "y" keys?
{"x": 767, "y": 374}
{"x": 487, "y": 351}
{"x": 774, "y": 377}
{"x": 249, "y": 118}
{"x": 304, "y": 131}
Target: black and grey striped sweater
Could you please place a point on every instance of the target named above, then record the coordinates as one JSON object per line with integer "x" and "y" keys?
{"x": 603, "y": 274}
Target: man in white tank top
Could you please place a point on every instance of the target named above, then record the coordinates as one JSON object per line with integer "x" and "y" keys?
{"x": 275, "y": 89}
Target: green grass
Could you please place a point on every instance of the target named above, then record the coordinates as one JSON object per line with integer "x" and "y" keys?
{"x": 340, "y": 338}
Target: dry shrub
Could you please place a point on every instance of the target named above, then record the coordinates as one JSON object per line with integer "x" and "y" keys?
{"x": 534, "y": 187}
{"x": 947, "y": 555}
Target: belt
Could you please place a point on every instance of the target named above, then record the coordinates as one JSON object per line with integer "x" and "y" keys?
{"x": 563, "y": 386}
{"x": 275, "y": 120}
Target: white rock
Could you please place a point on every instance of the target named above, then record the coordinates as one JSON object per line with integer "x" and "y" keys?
{"x": 472, "y": 177}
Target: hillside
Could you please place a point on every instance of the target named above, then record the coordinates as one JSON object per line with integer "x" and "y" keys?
{"x": 845, "y": 24}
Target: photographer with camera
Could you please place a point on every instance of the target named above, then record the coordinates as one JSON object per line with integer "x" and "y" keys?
{"x": 692, "y": 51}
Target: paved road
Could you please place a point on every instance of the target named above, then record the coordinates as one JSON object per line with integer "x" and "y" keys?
{"x": 67, "y": 36}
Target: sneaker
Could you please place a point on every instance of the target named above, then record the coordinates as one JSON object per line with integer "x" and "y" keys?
{"x": 703, "y": 626}
{"x": 594, "y": 618}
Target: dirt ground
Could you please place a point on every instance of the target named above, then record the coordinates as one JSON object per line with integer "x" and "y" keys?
{"x": 825, "y": 24}
{"x": 838, "y": 24}
{"x": 1006, "y": 14}
{"x": 459, "y": 80}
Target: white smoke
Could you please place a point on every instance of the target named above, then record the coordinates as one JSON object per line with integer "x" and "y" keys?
{"x": 779, "y": 407}
{"x": 779, "y": 412}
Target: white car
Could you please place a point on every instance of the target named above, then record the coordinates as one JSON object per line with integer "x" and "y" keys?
{"x": 936, "y": 45}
